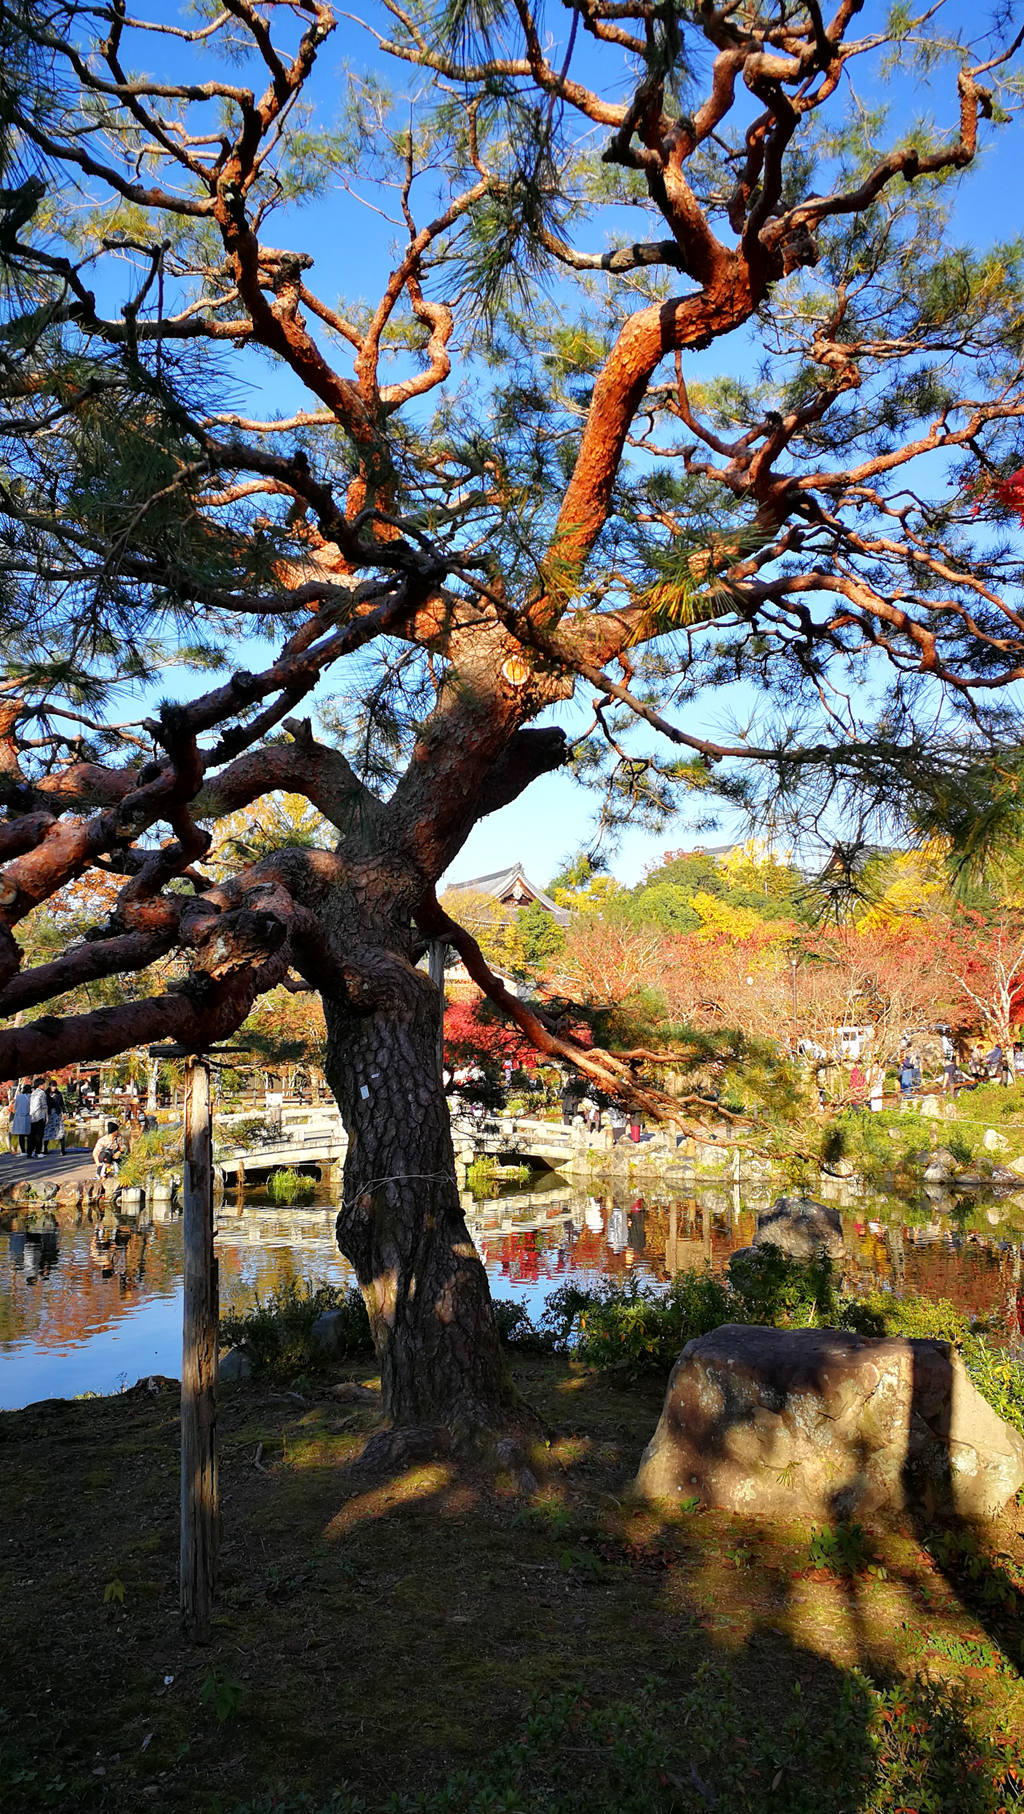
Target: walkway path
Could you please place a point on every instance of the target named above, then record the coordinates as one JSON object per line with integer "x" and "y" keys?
{"x": 75, "y": 1167}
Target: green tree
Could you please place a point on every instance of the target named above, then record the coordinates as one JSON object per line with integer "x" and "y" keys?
{"x": 533, "y": 942}
{"x": 500, "y": 475}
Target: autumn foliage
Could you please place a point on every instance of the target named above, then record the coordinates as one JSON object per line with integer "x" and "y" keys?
{"x": 474, "y": 1036}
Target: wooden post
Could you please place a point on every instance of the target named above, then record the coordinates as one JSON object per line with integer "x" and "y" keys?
{"x": 199, "y": 1500}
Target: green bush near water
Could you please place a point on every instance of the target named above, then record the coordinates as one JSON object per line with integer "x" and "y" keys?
{"x": 881, "y": 1313}
{"x": 278, "y": 1330}
{"x": 638, "y": 1329}
{"x": 153, "y": 1155}
{"x": 486, "y": 1176}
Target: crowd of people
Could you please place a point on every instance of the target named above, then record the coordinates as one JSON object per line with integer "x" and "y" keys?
{"x": 468, "y": 1087}
{"x": 867, "y": 1081}
{"x": 37, "y": 1116}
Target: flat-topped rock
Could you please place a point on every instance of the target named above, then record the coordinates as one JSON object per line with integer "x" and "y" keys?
{"x": 820, "y": 1424}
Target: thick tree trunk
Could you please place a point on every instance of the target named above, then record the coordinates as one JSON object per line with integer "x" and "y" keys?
{"x": 401, "y": 1223}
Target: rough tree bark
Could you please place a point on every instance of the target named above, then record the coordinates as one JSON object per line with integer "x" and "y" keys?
{"x": 401, "y": 1223}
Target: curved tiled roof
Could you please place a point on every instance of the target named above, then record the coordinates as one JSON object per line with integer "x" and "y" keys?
{"x": 502, "y": 884}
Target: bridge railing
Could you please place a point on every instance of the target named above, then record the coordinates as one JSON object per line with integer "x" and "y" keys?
{"x": 311, "y": 1131}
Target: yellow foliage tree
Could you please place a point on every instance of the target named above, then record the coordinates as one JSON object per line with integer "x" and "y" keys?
{"x": 271, "y": 823}
{"x": 719, "y": 919}
{"x": 910, "y": 884}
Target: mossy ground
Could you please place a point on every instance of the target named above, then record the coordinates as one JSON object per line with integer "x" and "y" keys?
{"x": 438, "y": 1640}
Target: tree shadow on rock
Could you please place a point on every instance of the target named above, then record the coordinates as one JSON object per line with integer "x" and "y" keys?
{"x": 961, "y": 1546}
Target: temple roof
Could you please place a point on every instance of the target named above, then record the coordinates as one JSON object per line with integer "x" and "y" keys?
{"x": 514, "y": 887}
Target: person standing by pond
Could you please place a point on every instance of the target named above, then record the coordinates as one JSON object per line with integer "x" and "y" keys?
{"x": 38, "y": 1109}
{"x": 54, "y": 1129}
{"x": 617, "y": 1121}
{"x": 21, "y": 1123}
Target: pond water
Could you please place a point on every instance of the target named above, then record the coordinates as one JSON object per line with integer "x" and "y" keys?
{"x": 93, "y": 1305}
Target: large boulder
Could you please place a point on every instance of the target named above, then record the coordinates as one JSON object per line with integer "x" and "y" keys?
{"x": 802, "y": 1227}
{"x": 330, "y": 1336}
{"x": 234, "y": 1364}
{"x": 820, "y": 1424}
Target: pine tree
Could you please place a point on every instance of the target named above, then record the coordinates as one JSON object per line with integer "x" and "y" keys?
{"x": 507, "y": 474}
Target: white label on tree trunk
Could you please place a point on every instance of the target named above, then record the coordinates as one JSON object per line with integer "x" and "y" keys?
{"x": 364, "y": 1091}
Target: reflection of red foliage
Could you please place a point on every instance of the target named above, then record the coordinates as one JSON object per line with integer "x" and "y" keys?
{"x": 521, "y": 1257}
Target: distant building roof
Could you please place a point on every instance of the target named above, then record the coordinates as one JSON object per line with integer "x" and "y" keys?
{"x": 513, "y": 888}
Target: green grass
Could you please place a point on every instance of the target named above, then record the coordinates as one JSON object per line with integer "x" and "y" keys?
{"x": 900, "y": 1142}
{"x": 893, "y": 1749}
{"x": 286, "y": 1185}
{"x": 432, "y": 1641}
{"x": 486, "y": 1176}
{"x": 641, "y": 1328}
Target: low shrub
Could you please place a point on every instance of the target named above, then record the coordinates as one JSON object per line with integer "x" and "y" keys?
{"x": 517, "y": 1328}
{"x": 999, "y": 1377}
{"x": 961, "y": 1146}
{"x": 152, "y": 1155}
{"x": 773, "y": 1288}
{"x": 486, "y": 1176}
{"x": 842, "y": 1549}
{"x": 640, "y": 1328}
{"x": 882, "y": 1313}
{"x": 277, "y": 1330}
{"x": 643, "y": 1329}
{"x": 563, "y": 1309}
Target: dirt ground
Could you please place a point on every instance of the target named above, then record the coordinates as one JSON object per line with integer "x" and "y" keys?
{"x": 441, "y": 1639}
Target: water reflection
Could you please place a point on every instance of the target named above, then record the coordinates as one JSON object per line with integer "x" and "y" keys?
{"x": 90, "y": 1300}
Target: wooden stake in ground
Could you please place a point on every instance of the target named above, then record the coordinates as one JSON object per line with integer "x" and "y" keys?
{"x": 199, "y": 1499}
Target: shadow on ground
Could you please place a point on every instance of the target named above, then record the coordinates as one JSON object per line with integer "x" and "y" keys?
{"x": 434, "y": 1641}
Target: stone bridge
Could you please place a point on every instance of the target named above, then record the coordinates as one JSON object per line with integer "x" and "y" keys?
{"x": 314, "y": 1139}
